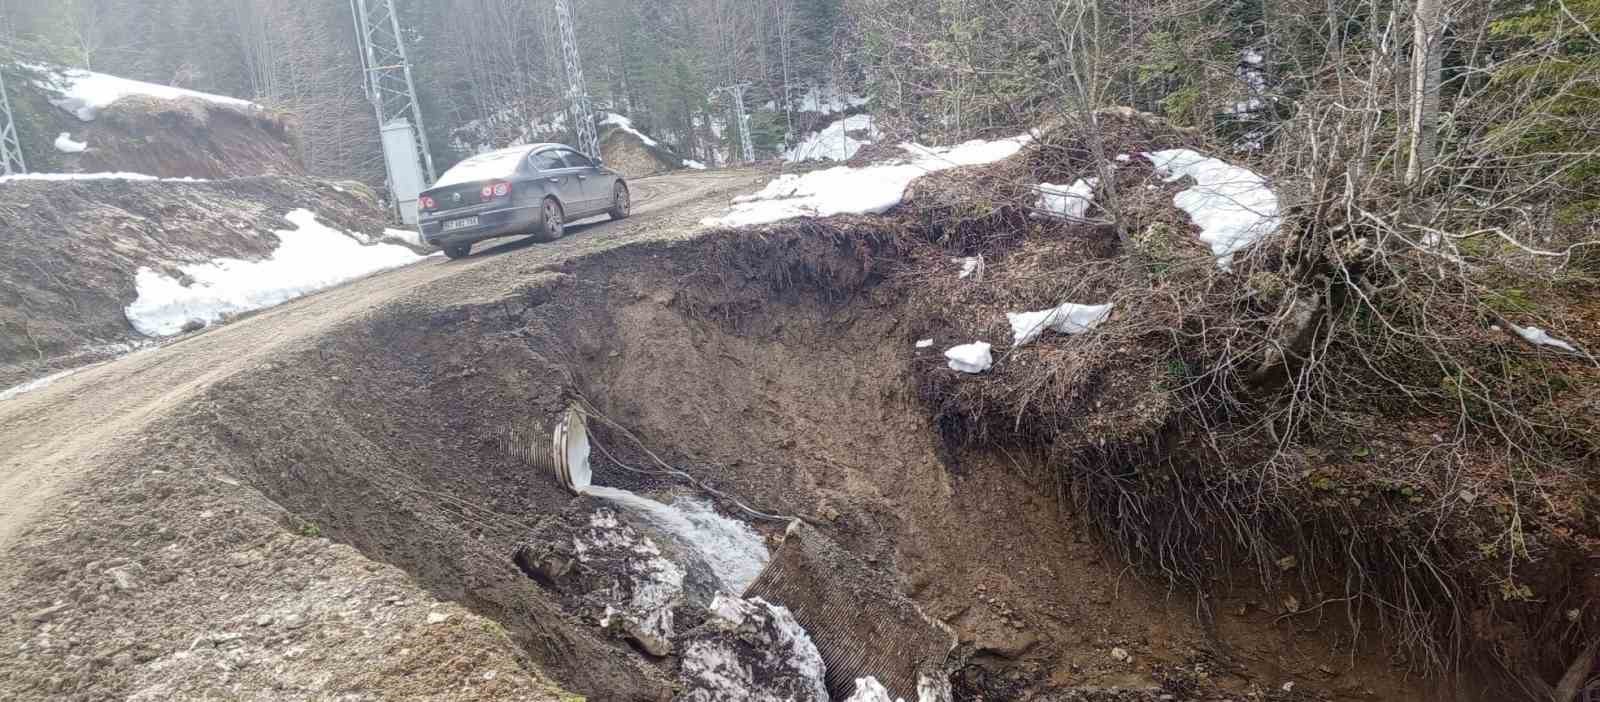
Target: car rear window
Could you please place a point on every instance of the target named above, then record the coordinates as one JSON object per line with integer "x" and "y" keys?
{"x": 495, "y": 164}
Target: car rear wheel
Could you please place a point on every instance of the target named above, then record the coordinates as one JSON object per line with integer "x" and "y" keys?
{"x": 553, "y": 224}
{"x": 458, "y": 250}
{"x": 621, "y": 201}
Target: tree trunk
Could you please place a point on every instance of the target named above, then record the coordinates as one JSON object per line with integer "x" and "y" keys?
{"x": 1425, "y": 67}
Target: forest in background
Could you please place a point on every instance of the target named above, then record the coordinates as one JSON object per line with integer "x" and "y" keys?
{"x": 492, "y": 64}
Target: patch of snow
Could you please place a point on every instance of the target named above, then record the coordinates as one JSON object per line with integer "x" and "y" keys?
{"x": 410, "y": 236}
{"x": 1233, "y": 206}
{"x": 1252, "y": 57}
{"x": 754, "y": 651}
{"x": 925, "y": 344}
{"x": 693, "y": 164}
{"x": 1068, "y": 318}
{"x": 970, "y": 358}
{"x": 95, "y": 176}
{"x": 969, "y": 265}
{"x": 85, "y": 93}
{"x": 1539, "y": 337}
{"x": 1070, "y": 202}
{"x": 36, "y": 384}
{"x": 869, "y": 190}
{"x": 626, "y": 125}
{"x": 310, "y": 257}
{"x": 65, "y": 144}
{"x": 827, "y": 100}
{"x": 835, "y": 141}
{"x": 868, "y": 689}
{"x": 734, "y": 551}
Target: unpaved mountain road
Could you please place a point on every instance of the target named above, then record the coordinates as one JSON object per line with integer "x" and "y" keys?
{"x": 50, "y": 436}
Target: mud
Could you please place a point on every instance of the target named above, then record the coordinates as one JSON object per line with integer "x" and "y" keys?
{"x": 777, "y": 366}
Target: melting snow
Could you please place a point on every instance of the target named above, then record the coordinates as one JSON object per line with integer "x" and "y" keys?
{"x": 757, "y": 638}
{"x": 1068, "y": 318}
{"x": 970, "y": 358}
{"x": 626, "y": 125}
{"x": 827, "y": 100}
{"x": 1233, "y": 206}
{"x": 95, "y": 176}
{"x": 693, "y": 164}
{"x": 310, "y": 257}
{"x": 1538, "y": 337}
{"x": 1067, "y": 202}
{"x": 85, "y": 93}
{"x": 970, "y": 265}
{"x": 870, "y": 190}
{"x": 925, "y": 344}
{"x": 65, "y": 144}
{"x": 33, "y": 385}
{"x": 410, "y": 236}
{"x": 834, "y": 142}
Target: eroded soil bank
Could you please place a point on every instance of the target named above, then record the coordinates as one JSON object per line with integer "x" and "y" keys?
{"x": 777, "y": 365}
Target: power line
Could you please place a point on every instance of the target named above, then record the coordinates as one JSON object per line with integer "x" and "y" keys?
{"x": 577, "y": 89}
{"x": 11, "y": 161}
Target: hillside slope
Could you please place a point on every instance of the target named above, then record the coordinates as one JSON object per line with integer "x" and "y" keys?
{"x": 74, "y": 121}
{"x": 82, "y": 244}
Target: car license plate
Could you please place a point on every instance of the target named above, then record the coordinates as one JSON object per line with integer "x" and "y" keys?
{"x": 455, "y": 224}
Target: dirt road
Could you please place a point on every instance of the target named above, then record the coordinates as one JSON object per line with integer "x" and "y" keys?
{"x": 52, "y": 435}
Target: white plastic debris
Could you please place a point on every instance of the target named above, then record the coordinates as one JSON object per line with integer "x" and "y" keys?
{"x": 1070, "y": 202}
{"x": 1233, "y": 206}
{"x": 970, "y": 358}
{"x": 925, "y": 344}
{"x": 1067, "y": 318}
{"x": 67, "y": 145}
{"x": 1538, "y": 337}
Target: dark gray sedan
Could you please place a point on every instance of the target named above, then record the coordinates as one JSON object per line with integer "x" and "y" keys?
{"x": 533, "y": 189}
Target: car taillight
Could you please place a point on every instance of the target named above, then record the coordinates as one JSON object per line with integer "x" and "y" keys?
{"x": 426, "y": 202}
{"x": 495, "y": 190}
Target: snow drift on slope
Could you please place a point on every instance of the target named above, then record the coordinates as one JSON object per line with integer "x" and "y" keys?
{"x": 870, "y": 190}
{"x": 67, "y": 145}
{"x": 93, "y": 176}
{"x": 834, "y": 142}
{"x": 85, "y": 93}
{"x": 1233, "y": 206}
{"x": 310, "y": 257}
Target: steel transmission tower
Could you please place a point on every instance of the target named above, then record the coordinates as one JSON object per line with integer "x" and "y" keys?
{"x": 389, "y": 84}
{"x": 577, "y": 89}
{"x": 10, "y": 148}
